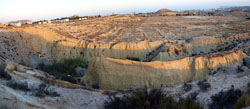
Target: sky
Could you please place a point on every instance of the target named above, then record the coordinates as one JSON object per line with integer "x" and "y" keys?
{"x": 11, "y": 10}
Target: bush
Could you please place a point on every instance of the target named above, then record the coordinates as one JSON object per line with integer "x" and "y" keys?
{"x": 69, "y": 79}
{"x": 42, "y": 91}
{"x": 66, "y": 67}
{"x": 204, "y": 85}
{"x": 187, "y": 87}
{"x": 154, "y": 99}
{"x": 18, "y": 85}
{"x": 240, "y": 70}
{"x": 244, "y": 101}
{"x": 188, "y": 103}
{"x": 95, "y": 86}
{"x": 4, "y": 75}
{"x": 133, "y": 58}
{"x": 225, "y": 100}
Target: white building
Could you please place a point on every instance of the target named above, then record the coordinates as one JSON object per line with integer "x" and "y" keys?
{"x": 64, "y": 20}
{"x": 28, "y": 22}
{"x": 84, "y": 18}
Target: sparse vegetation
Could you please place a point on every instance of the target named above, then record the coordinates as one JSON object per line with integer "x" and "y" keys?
{"x": 95, "y": 86}
{"x": 244, "y": 101}
{"x": 225, "y": 100}
{"x": 23, "y": 86}
{"x": 133, "y": 58}
{"x": 69, "y": 78}
{"x": 4, "y": 75}
{"x": 64, "y": 68}
{"x": 188, "y": 103}
{"x": 154, "y": 99}
{"x": 239, "y": 69}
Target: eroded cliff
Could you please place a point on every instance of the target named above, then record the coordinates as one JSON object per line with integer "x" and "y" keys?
{"x": 110, "y": 73}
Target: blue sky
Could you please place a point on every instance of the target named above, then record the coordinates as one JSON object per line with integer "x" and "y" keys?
{"x": 46, "y": 9}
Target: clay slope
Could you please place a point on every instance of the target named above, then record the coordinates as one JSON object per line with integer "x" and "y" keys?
{"x": 108, "y": 73}
{"x": 49, "y": 44}
{"x": 18, "y": 43}
{"x": 202, "y": 45}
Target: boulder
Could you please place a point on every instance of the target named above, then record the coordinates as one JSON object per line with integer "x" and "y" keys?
{"x": 36, "y": 61}
{"x": 80, "y": 70}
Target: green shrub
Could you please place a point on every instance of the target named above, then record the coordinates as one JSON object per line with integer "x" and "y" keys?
{"x": 225, "y": 100}
{"x": 66, "y": 67}
{"x": 133, "y": 58}
{"x": 4, "y": 74}
{"x": 204, "y": 85}
{"x": 244, "y": 101}
{"x": 43, "y": 91}
{"x": 154, "y": 99}
{"x": 188, "y": 103}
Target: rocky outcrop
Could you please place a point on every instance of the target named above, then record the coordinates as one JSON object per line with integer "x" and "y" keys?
{"x": 109, "y": 73}
{"x": 9, "y": 99}
{"x": 68, "y": 95}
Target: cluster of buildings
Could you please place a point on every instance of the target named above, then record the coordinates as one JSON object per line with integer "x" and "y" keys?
{"x": 29, "y": 22}
{"x": 240, "y": 11}
{"x": 43, "y": 22}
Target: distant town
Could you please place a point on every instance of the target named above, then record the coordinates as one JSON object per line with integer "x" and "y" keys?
{"x": 240, "y": 11}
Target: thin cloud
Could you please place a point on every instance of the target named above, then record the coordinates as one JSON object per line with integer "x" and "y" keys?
{"x": 40, "y": 9}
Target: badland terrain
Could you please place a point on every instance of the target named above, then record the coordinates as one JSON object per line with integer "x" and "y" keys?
{"x": 93, "y": 62}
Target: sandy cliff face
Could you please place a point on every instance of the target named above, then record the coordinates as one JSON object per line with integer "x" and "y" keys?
{"x": 13, "y": 47}
{"x": 110, "y": 73}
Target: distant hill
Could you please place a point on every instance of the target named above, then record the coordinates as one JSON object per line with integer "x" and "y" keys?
{"x": 237, "y": 10}
{"x": 161, "y": 11}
